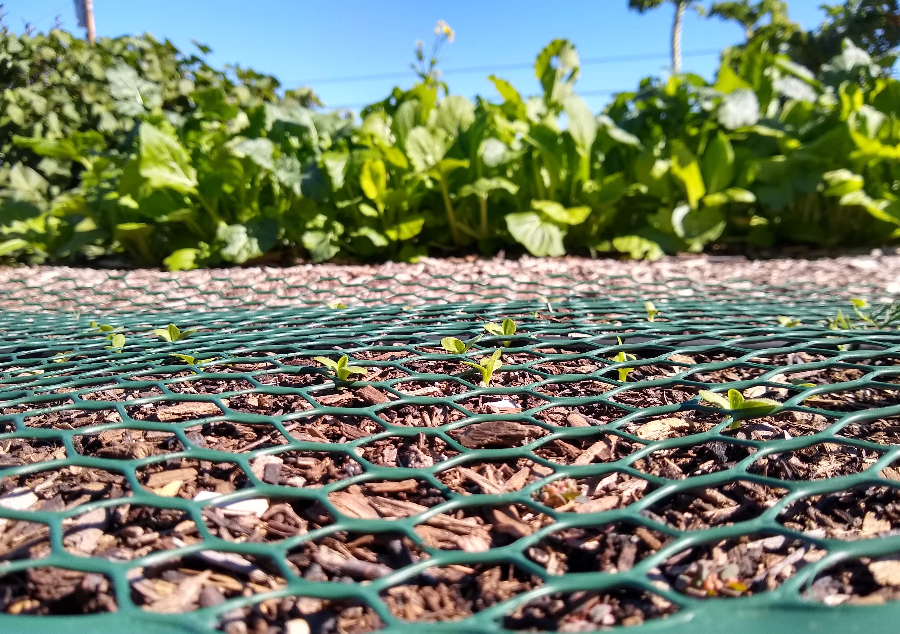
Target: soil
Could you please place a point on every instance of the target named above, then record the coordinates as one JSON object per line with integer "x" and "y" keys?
{"x": 274, "y": 459}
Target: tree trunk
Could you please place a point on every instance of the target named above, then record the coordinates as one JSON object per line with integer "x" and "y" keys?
{"x": 89, "y": 19}
{"x": 680, "y": 6}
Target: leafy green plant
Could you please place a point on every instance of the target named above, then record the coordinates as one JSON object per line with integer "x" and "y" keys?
{"x": 457, "y": 346}
{"x": 787, "y": 321}
{"x": 623, "y": 357}
{"x": 172, "y": 333}
{"x": 741, "y": 409}
{"x": 507, "y": 327}
{"x": 487, "y": 366}
{"x": 651, "y": 311}
{"x": 341, "y": 370}
{"x": 157, "y": 158}
{"x": 103, "y": 327}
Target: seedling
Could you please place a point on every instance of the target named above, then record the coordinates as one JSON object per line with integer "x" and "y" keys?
{"x": 102, "y": 327}
{"x": 62, "y": 357}
{"x": 741, "y": 408}
{"x": 651, "y": 311}
{"x": 457, "y": 346}
{"x": 341, "y": 370}
{"x": 171, "y": 333}
{"x": 507, "y": 327}
{"x": 560, "y": 493}
{"x": 880, "y": 318}
{"x": 191, "y": 360}
{"x": 117, "y": 342}
{"x": 337, "y": 305}
{"x": 622, "y": 357}
{"x": 805, "y": 385}
{"x": 788, "y": 322}
{"x": 487, "y": 367}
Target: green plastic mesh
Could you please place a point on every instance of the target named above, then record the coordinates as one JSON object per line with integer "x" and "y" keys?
{"x": 52, "y": 361}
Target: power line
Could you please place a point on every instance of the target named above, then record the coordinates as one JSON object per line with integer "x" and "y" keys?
{"x": 468, "y": 70}
{"x": 583, "y": 93}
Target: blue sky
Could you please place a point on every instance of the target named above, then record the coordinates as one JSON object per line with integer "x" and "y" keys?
{"x": 300, "y": 41}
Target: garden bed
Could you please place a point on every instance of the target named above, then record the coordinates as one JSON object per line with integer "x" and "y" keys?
{"x": 248, "y": 482}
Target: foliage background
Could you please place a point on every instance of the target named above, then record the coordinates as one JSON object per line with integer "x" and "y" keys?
{"x": 132, "y": 148}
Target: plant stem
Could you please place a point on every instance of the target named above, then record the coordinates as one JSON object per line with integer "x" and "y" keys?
{"x": 451, "y": 216}
{"x": 482, "y": 203}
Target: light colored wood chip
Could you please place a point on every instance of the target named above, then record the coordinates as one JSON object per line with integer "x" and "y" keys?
{"x": 392, "y": 487}
{"x": 184, "y": 597}
{"x": 602, "y": 449}
{"x": 186, "y": 410}
{"x": 353, "y": 504}
{"x": 577, "y": 420}
{"x": 600, "y": 504}
{"x": 487, "y": 485}
{"x": 169, "y": 490}
{"x": 505, "y": 523}
{"x": 872, "y": 524}
{"x": 662, "y": 428}
{"x": 886, "y": 572}
{"x": 517, "y": 480}
{"x": 155, "y": 480}
{"x": 498, "y": 433}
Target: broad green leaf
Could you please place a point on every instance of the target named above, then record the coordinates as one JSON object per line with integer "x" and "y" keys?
{"x": 698, "y": 225}
{"x": 407, "y": 229}
{"x": 482, "y": 186}
{"x": 735, "y": 399}
{"x": 582, "y": 125}
{"x": 13, "y": 245}
{"x": 454, "y": 115}
{"x": 542, "y": 237}
{"x": 494, "y": 152}
{"x": 718, "y": 164}
{"x": 570, "y": 216}
{"x": 132, "y": 94}
{"x": 687, "y": 171}
{"x": 453, "y": 345}
{"x": 638, "y": 247}
{"x": 244, "y": 242}
{"x": 739, "y": 109}
{"x": 424, "y": 149}
{"x": 164, "y": 163}
{"x": 841, "y": 182}
{"x": 727, "y": 81}
{"x": 373, "y": 179}
{"x": 557, "y": 68}
{"x": 182, "y": 260}
{"x": 510, "y": 96}
{"x": 259, "y": 151}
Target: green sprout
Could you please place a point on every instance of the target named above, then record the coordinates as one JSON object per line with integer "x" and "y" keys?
{"x": 651, "y": 311}
{"x": 340, "y": 368}
{"x": 102, "y": 327}
{"x": 788, "y": 322}
{"x": 337, "y": 305}
{"x": 883, "y": 316}
{"x": 560, "y": 493}
{"x": 116, "y": 341}
{"x": 487, "y": 367}
{"x": 191, "y": 360}
{"x": 741, "y": 408}
{"x": 171, "y": 333}
{"x": 507, "y": 327}
{"x": 457, "y": 346}
{"x": 622, "y": 357}
{"x": 62, "y": 357}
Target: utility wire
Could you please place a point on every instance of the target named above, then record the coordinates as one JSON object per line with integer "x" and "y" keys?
{"x": 468, "y": 70}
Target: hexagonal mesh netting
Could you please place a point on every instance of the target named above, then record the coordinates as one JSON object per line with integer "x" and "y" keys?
{"x": 228, "y": 482}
